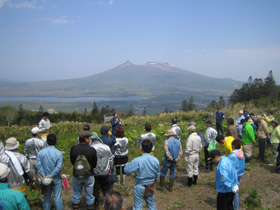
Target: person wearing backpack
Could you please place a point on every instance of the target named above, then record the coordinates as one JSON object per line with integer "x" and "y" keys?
{"x": 84, "y": 159}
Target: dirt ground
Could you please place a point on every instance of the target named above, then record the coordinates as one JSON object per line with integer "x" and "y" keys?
{"x": 201, "y": 196}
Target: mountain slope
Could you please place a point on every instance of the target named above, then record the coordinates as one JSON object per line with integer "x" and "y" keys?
{"x": 153, "y": 80}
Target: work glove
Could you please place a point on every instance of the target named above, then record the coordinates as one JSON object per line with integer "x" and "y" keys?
{"x": 235, "y": 188}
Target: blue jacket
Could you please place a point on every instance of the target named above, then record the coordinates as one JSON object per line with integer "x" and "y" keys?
{"x": 226, "y": 176}
{"x": 147, "y": 166}
{"x": 219, "y": 117}
{"x": 12, "y": 199}
{"x": 174, "y": 147}
{"x": 49, "y": 162}
{"x": 115, "y": 125}
{"x": 109, "y": 141}
{"x": 246, "y": 115}
{"x": 237, "y": 156}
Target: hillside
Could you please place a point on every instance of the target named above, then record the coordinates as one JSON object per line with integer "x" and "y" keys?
{"x": 160, "y": 84}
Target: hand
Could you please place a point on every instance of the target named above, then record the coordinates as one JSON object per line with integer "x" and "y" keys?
{"x": 109, "y": 133}
{"x": 235, "y": 188}
{"x": 110, "y": 172}
{"x": 254, "y": 141}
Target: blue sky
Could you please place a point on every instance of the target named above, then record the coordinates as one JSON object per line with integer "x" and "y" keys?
{"x": 59, "y": 39}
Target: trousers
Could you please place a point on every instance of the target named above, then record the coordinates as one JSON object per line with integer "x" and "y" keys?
{"x": 138, "y": 198}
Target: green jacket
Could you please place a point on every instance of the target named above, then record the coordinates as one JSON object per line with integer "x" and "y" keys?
{"x": 248, "y": 136}
{"x": 12, "y": 199}
{"x": 275, "y": 136}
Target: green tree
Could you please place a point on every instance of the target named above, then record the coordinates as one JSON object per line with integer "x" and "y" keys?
{"x": 94, "y": 110}
{"x": 20, "y": 114}
{"x": 9, "y": 113}
{"x": 222, "y": 102}
{"x": 184, "y": 106}
{"x": 191, "y": 105}
{"x": 130, "y": 111}
{"x": 144, "y": 112}
{"x": 270, "y": 87}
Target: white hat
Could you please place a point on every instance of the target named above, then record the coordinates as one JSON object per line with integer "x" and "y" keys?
{"x": 192, "y": 128}
{"x": 11, "y": 143}
{"x": 47, "y": 180}
{"x": 35, "y": 130}
{"x": 4, "y": 171}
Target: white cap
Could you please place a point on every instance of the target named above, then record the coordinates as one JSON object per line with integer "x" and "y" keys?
{"x": 35, "y": 130}
{"x": 4, "y": 171}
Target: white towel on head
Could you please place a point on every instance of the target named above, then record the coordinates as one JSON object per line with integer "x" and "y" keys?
{"x": 15, "y": 162}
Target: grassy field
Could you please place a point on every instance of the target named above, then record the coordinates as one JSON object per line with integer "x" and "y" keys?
{"x": 257, "y": 184}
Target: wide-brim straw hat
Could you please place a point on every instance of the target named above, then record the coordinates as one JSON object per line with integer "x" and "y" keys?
{"x": 169, "y": 133}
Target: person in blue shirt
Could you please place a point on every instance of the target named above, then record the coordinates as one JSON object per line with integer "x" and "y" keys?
{"x": 172, "y": 154}
{"x": 115, "y": 122}
{"x": 237, "y": 156}
{"x": 219, "y": 121}
{"x": 49, "y": 163}
{"x": 246, "y": 113}
{"x": 226, "y": 180}
{"x": 147, "y": 168}
{"x": 10, "y": 199}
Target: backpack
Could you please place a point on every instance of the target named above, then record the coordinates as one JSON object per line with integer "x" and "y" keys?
{"x": 81, "y": 167}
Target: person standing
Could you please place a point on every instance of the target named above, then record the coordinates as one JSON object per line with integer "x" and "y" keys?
{"x": 147, "y": 135}
{"x": 193, "y": 148}
{"x": 262, "y": 133}
{"x": 49, "y": 164}
{"x": 248, "y": 139}
{"x": 176, "y": 129}
{"x": 44, "y": 126}
{"x": 21, "y": 169}
{"x": 275, "y": 140}
{"x": 246, "y": 113}
{"x": 85, "y": 128}
{"x": 268, "y": 119}
{"x": 147, "y": 168}
{"x": 226, "y": 142}
{"x": 172, "y": 154}
{"x": 102, "y": 171}
{"x": 239, "y": 125}
{"x": 86, "y": 182}
{"x": 232, "y": 131}
{"x": 226, "y": 180}
{"x": 121, "y": 152}
{"x": 237, "y": 156}
{"x": 219, "y": 121}
{"x": 210, "y": 135}
{"x": 109, "y": 142}
{"x": 115, "y": 122}
{"x": 10, "y": 199}
{"x": 33, "y": 146}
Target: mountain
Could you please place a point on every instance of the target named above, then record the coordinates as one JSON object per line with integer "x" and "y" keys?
{"x": 152, "y": 81}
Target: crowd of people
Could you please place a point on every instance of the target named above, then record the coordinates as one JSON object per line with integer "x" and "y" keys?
{"x": 94, "y": 159}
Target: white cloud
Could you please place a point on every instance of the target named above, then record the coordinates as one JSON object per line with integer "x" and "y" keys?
{"x": 111, "y": 2}
{"x": 3, "y": 2}
{"x": 106, "y": 2}
{"x": 21, "y": 4}
{"x": 58, "y": 21}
